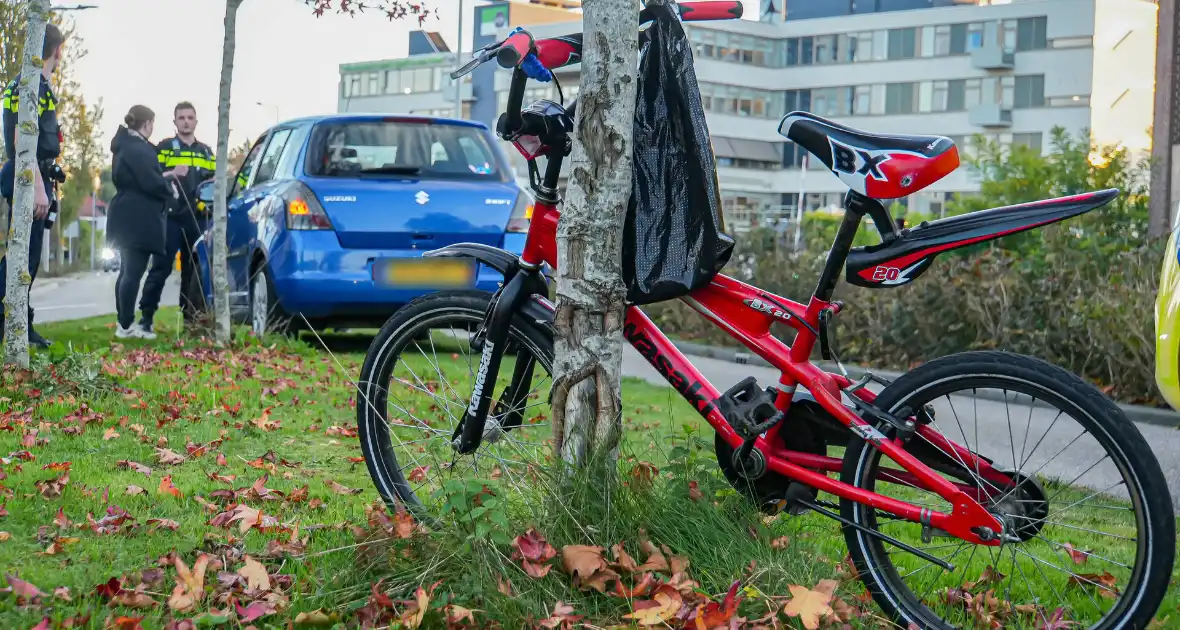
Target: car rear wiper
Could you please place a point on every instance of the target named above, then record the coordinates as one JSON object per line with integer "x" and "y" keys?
{"x": 390, "y": 169}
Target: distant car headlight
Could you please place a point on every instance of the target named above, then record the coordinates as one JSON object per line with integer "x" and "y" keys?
{"x": 108, "y": 253}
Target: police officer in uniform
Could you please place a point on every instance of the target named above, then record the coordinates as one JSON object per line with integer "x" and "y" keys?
{"x": 187, "y": 218}
{"x": 49, "y": 141}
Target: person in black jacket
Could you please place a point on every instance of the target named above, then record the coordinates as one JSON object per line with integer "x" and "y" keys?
{"x": 136, "y": 219}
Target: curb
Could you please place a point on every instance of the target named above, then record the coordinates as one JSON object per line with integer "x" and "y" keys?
{"x": 1136, "y": 413}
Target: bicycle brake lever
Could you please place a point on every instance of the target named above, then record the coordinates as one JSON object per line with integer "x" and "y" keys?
{"x": 466, "y": 69}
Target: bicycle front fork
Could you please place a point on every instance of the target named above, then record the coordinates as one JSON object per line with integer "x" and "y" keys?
{"x": 491, "y": 340}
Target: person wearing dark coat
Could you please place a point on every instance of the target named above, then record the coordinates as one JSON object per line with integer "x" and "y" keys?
{"x": 136, "y": 218}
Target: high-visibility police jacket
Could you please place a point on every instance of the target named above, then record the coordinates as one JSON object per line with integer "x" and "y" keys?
{"x": 49, "y": 137}
{"x": 201, "y": 162}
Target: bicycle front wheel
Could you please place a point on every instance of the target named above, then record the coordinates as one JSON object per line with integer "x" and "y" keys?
{"x": 415, "y": 386}
{"x": 1089, "y": 531}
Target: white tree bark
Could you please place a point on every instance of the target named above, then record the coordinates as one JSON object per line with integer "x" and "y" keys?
{"x": 220, "y": 263}
{"x": 587, "y": 410}
{"x": 16, "y": 299}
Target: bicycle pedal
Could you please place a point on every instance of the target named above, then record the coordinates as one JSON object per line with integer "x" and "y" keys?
{"x": 749, "y": 409}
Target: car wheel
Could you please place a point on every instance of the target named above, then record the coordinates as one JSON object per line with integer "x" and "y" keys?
{"x": 266, "y": 316}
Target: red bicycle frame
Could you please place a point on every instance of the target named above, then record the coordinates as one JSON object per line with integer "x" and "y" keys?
{"x": 734, "y": 306}
{"x": 747, "y": 313}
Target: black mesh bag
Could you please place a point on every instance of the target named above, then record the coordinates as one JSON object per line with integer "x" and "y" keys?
{"x": 672, "y": 241}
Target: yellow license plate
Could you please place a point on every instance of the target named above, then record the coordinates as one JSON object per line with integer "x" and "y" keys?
{"x": 425, "y": 273}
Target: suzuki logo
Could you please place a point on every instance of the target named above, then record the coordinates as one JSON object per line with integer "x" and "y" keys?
{"x": 421, "y": 197}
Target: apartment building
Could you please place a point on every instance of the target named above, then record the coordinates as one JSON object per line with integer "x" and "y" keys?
{"x": 1008, "y": 70}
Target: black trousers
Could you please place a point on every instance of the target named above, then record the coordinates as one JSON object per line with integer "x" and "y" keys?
{"x": 182, "y": 234}
{"x": 36, "y": 241}
{"x": 132, "y": 265}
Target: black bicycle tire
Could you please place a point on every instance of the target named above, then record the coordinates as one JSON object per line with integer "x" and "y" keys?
{"x": 395, "y": 334}
{"x": 1150, "y": 581}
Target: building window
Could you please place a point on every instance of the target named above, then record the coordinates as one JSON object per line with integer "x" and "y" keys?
{"x": 862, "y": 100}
{"x": 798, "y": 100}
{"x": 901, "y": 43}
{"x": 1030, "y": 91}
{"x": 956, "y": 95}
{"x": 792, "y": 51}
{"x": 825, "y": 49}
{"x": 942, "y": 40}
{"x": 352, "y": 85}
{"x": 750, "y": 164}
{"x": 374, "y": 83}
{"x": 1030, "y": 33}
{"x": 1031, "y": 140}
{"x": 900, "y": 98}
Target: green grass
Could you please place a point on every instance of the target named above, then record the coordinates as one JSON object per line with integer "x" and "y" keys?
{"x": 297, "y": 402}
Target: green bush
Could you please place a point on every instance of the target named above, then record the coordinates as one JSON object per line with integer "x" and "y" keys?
{"x": 1079, "y": 294}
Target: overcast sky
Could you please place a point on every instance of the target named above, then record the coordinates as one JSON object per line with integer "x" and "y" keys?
{"x": 159, "y": 52}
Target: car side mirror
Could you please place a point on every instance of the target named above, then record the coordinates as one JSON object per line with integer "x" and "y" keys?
{"x": 348, "y": 152}
{"x": 205, "y": 192}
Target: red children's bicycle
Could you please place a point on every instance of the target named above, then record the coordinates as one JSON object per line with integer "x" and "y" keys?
{"x": 981, "y": 483}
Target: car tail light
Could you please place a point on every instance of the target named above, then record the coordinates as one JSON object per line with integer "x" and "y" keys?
{"x": 522, "y": 213}
{"x": 303, "y": 210}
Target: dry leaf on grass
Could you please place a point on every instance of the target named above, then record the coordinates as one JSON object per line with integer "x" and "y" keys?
{"x": 534, "y": 552}
{"x": 341, "y": 489}
{"x": 563, "y": 617}
{"x": 190, "y": 584}
{"x": 166, "y": 487}
{"x": 712, "y": 615}
{"x": 416, "y": 611}
{"x": 255, "y": 575}
{"x": 587, "y": 566}
{"x": 663, "y": 605}
{"x": 809, "y": 605}
{"x": 168, "y": 457}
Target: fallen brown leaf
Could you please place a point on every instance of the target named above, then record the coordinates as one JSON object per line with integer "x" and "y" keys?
{"x": 811, "y": 606}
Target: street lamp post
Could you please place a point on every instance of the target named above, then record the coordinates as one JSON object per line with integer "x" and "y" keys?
{"x": 458, "y": 64}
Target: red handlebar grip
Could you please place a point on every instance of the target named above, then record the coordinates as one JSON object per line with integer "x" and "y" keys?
{"x": 514, "y": 50}
{"x": 560, "y": 51}
{"x": 710, "y": 10}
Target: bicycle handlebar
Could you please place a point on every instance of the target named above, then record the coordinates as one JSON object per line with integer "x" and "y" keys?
{"x": 515, "y": 49}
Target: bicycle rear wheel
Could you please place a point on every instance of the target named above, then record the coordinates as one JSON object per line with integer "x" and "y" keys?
{"x": 1089, "y": 524}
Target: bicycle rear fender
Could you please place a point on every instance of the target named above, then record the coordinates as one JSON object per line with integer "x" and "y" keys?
{"x": 900, "y": 260}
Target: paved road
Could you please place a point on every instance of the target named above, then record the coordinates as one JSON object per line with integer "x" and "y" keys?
{"x": 85, "y": 294}
{"x": 972, "y": 421}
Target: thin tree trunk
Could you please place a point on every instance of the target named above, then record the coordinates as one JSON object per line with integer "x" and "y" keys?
{"x": 587, "y": 409}
{"x": 220, "y": 267}
{"x": 16, "y": 299}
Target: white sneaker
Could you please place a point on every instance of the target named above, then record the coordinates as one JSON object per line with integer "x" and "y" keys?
{"x": 134, "y": 332}
{"x": 145, "y": 332}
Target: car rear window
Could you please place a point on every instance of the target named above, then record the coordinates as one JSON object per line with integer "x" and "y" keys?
{"x": 395, "y": 148}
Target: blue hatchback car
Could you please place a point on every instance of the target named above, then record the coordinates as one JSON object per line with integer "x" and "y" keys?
{"x": 328, "y": 218}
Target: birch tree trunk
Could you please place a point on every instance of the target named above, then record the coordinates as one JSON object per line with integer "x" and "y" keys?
{"x": 220, "y": 263}
{"x": 587, "y": 410}
{"x": 16, "y": 299}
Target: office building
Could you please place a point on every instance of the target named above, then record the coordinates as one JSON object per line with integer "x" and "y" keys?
{"x": 1008, "y": 70}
